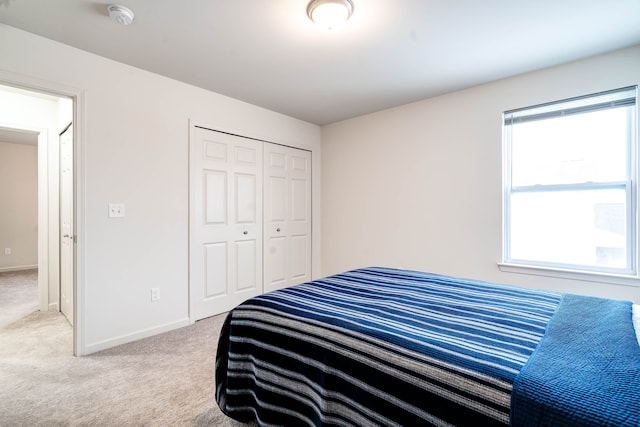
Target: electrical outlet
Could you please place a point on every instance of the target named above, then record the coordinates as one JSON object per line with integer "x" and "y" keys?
{"x": 116, "y": 210}
{"x": 7, "y": 251}
{"x": 155, "y": 294}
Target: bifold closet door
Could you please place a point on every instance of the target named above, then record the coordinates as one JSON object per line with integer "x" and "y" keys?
{"x": 287, "y": 216}
{"x": 225, "y": 221}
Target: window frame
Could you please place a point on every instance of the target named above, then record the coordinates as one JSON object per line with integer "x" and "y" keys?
{"x": 622, "y": 97}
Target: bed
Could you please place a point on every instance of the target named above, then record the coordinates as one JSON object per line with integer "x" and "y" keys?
{"x": 390, "y": 347}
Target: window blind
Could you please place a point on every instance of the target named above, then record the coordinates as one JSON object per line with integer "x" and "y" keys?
{"x": 616, "y": 98}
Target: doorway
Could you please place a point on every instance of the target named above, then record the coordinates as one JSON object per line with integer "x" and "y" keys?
{"x": 44, "y": 115}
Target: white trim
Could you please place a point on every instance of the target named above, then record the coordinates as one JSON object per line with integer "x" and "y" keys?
{"x": 18, "y": 268}
{"x": 79, "y": 221}
{"x": 597, "y": 277}
{"x": 43, "y": 219}
{"x": 145, "y": 333}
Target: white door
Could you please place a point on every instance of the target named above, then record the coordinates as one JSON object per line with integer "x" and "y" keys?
{"x": 66, "y": 223}
{"x": 287, "y": 216}
{"x": 225, "y": 221}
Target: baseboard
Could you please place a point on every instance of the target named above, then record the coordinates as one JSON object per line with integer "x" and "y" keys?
{"x": 19, "y": 268}
{"x": 53, "y": 306}
{"x": 124, "y": 339}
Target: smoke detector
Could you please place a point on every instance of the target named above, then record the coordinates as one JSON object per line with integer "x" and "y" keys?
{"x": 122, "y": 14}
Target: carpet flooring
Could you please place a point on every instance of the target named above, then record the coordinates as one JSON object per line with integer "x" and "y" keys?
{"x": 165, "y": 380}
{"x": 18, "y": 295}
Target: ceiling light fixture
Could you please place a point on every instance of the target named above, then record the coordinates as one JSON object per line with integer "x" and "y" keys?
{"x": 329, "y": 14}
{"x": 122, "y": 14}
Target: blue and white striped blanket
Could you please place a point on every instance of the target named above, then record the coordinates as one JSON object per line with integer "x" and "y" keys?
{"x": 379, "y": 346}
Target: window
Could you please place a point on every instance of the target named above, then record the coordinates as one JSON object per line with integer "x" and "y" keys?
{"x": 570, "y": 184}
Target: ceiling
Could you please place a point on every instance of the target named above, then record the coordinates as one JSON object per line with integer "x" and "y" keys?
{"x": 391, "y": 52}
{"x": 18, "y": 136}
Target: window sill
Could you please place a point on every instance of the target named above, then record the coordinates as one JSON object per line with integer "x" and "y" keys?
{"x": 616, "y": 279}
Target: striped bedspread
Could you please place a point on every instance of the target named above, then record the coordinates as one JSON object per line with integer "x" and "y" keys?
{"x": 378, "y": 346}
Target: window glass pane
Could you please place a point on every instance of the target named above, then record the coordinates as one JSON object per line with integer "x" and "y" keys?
{"x": 583, "y": 228}
{"x": 578, "y": 148}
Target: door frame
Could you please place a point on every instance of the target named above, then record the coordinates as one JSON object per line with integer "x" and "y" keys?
{"x": 62, "y": 208}
{"x": 77, "y": 95}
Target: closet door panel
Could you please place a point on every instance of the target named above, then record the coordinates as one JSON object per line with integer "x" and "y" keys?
{"x": 299, "y": 199}
{"x": 300, "y": 256}
{"x": 216, "y": 261}
{"x": 287, "y": 218}
{"x": 277, "y": 201}
{"x": 246, "y": 267}
{"x": 225, "y": 224}
{"x": 215, "y": 195}
{"x": 300, "y": 216}
{"x": 246, "y": 194}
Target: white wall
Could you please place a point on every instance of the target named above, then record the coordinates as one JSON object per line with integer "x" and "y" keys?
{"x": 419, "y": 186}
{"x": 135, "y": 147}
{"x": 18, "y": 206}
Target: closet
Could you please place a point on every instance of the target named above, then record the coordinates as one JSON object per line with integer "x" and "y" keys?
{"x": 249, "y": 220}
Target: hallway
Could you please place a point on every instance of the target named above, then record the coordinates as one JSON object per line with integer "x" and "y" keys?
{"x": 25, "y": 331}
{"x": 18, "y": 295}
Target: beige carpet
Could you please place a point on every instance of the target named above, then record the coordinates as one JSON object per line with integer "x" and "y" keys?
{"x": 18, "y": 295}
{"x": 166, "y": 380}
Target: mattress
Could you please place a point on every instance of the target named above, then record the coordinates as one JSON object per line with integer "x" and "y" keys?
{"x": 379, "y": 346}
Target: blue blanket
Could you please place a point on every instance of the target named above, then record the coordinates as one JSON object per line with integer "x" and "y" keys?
{"x": 379, "y": 346}
{"x": 585, "y": 371}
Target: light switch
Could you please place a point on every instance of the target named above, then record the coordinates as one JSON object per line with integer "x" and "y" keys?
{"x": 116, "y": 210}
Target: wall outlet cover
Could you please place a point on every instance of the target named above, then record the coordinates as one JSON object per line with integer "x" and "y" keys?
{"x": 116, "y": 210}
